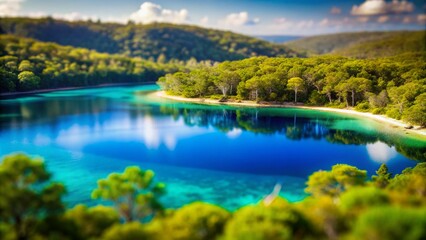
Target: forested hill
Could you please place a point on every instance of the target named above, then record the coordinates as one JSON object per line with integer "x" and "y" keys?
{"x": 158, "y": 41}
{"x": 27, "y": 64}
{"x": 363, "y": 44}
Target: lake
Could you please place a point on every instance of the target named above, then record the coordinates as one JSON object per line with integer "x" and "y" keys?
{"x": 220, "y": 154}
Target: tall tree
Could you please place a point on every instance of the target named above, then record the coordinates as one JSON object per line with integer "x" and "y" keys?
{"x": 133, "y": 193}
{"x": 383, "y": 176}
{"x": 254, "y": 85}
{"x": 296, "y": 84}
{"x": 28, "y": 81}
{"x": 357, "y": 85}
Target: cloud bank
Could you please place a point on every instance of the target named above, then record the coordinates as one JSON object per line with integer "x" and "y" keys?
{"x": 150, "y": 12}
{"x": 240, "y": 19}
{"x": 378, "y": 7}
{"x": 10, "y": 7}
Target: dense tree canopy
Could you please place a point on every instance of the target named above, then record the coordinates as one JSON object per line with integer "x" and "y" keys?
{"x": 133, "y": 193}
{"x": 393, "y": 86}
{"x": 27, "y": 64}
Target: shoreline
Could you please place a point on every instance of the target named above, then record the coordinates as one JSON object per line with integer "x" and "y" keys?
{"x": 380, "y": 118}
{"x": 11, "y": 95}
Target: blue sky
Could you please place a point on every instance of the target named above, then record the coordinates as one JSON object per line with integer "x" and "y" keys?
{"x": 253, "y": 17}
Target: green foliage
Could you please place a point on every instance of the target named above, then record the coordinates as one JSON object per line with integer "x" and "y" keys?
{"x": 360, "y": 198}
{"x": 332, "y": 183}
{"x": 127, "y": 231}
{"x": 383, "y": 176}
{"x": 7, "y": 81}
{"x": 92, "y": 222}
{"x": 296, "y": 84}
{"x": 197, "y": 221}
{"x": 133, "y": 193}
{"x": 28, "y": 81}
{"x": 279, "y": 220}
{"x": 27, "y": 196}
{"x": 412, "y": 181}
{"x": 363, "y": 107}
{"x": 316, "y": 99}
{"x": 416, "y": 114}
{"x": 391, "y": 223}
{"x": 325, "y": 215}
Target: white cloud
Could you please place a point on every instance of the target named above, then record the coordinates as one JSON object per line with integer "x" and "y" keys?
{"x": 324, "y": 22}
{"x": 335, "y": 10}
{"x": 305, "y": 24}
{"x": 400, "y": 6}
{"x": 150, "y": 12}
{"x": 407, "y": 19}
{"x": 383, "y": 19}
{"x": 240, "y": 19}
{"x": 280, "y": 20}
{"x": 380, "y": 152}
{"x": 204, "y": 20}
{"x": 74, "y": 16}
{"x": 377, "y": 7}
{"x": 421, "y": 18}
{"x": 362, "y": 19}
{"x": 234, "y": 133}
{"x": 284, "y": 23}
{"x": 10, "y": 7}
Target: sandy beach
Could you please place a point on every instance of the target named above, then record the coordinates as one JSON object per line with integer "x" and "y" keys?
{"x": 381, "y": 118}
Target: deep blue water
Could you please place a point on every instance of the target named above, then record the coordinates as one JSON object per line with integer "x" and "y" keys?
{"x": 224, "y": 155}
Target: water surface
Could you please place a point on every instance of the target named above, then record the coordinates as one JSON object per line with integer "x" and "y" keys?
{"x": 220, "y": 154}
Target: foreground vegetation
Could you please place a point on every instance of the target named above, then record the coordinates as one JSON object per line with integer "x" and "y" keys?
{"x": 155, "y": 42}
{"x": 343, "y": 203}
{"x": 395, "y": 86}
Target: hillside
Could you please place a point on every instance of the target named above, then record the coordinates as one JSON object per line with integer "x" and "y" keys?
{"x": 27, "y": 65}
{"x": 363, "y": 44}
{"x": 158, "y": 41}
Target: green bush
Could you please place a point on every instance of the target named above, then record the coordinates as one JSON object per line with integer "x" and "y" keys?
{"x": 316, "y": 99}
{"x": 378, "y": 111}
{"x": 197, "y": 221}
{"x": 363, "y": 107}
{"x": 279, "y": 221}
{"x": 127, "y": 231}
{"x": 391, "y": 223}
{"x": 393, "y": 113}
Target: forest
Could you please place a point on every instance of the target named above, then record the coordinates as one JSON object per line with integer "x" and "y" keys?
{"x": 343, "y": 202}
{"x": 156, "y": 41}
{"x": 395, "y": 86}
{"x": 27, "y": 64}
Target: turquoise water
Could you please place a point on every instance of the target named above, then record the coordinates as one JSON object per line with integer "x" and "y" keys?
{"x": 219, "y": 154}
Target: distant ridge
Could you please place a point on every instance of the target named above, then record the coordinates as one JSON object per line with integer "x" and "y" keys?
{"x": 363, "y": 44}
{"x": 157, "y": 41}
